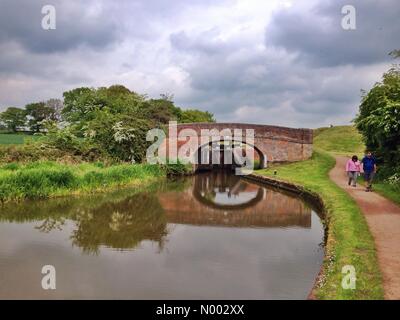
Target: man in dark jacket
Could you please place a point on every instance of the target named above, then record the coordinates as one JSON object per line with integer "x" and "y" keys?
{"x": 369, "y": 167}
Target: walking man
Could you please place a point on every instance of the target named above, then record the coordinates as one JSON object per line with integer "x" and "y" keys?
{"x": 369, "y": 168}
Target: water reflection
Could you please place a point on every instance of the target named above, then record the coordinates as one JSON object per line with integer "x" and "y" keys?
{"x": 192, "y": 238}
{"x": 222, "y": 199}
{"x": 121, "y": 220}
{"x": 122, "y": 225}
{"x": 118, "y": 220}
{"x": 226, "y": 191}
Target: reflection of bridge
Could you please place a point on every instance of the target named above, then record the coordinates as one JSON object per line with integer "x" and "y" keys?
{"x": 235, "y": 186}
{"x": 265, "y": 208}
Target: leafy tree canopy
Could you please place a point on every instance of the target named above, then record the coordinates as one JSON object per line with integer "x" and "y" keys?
{"x": 81, "y": 104}
{"x": 379, "y": 118}
{"x": 193, "y": 115}
{"x": 37, "y": 114}
{"x": 13, "y": 118}
{"x": 122, "y": 136}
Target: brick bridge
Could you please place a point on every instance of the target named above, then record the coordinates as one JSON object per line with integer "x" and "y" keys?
{"x": 271, "y": 143}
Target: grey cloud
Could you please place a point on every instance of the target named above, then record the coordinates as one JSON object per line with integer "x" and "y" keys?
{"x": 204, "y": 43}
{"x": 216, "y": 66}
{"x": 20, "y": 21}
{"x": 318, "y": 38}
{"x": 226, "y": 80}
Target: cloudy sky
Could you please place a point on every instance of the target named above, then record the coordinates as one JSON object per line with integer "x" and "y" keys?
{"x": 273, "y": 62}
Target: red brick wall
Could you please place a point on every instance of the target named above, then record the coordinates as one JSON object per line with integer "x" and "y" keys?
{"x": 278, "y": 144}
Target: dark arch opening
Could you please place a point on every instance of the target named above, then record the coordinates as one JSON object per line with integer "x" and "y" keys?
{"x": 215, "y": 148}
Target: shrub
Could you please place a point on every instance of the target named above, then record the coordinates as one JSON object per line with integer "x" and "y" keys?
{"x": 177, "y": 169}
{"x": 394, "y": 179}
{"x": 122, "y": 137}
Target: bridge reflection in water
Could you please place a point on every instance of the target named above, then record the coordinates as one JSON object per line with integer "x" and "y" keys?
{"x": 223, "y": 199}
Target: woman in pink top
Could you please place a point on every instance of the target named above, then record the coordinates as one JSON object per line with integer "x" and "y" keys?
{"x": 353, "y": 170}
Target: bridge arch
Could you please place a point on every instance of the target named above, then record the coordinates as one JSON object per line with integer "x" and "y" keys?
{"x": 200, "y": 156}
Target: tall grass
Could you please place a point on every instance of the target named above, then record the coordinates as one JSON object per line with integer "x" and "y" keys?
{"x": 46, "y": 179}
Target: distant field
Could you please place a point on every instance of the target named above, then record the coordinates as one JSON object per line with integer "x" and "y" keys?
{"x": 344, "y": 140}
{"x": 14, "y": 138}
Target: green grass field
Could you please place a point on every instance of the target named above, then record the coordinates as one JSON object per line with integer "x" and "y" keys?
{"x": 16, "y": 138}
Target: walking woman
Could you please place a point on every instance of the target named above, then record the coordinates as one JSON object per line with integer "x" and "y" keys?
{"x": 353, "y": 168}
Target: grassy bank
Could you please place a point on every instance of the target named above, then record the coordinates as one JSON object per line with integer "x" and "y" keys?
{"x": 343, "y": 140}
{"x": 349, "y": 241}
{"x": 389, "y": 191}
{"x": 48, "y": 179}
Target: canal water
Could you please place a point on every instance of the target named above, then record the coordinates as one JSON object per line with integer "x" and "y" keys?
{"x": 210, "y": 236}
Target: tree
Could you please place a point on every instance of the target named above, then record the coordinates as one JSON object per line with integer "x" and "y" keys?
{"x": 82, "y": 104}
{"x": 379, "y": 118}
{"x": 78, "y": 104}
{"x": 193, "y": 115}
{"x": 121, "y": 136}
{"x": 160, "y": 111}
{"x": 395, "y": 53}
{"x": 37, "y": 114}
{"x": 13, "y": 118}
{"x": 56, "y": 105}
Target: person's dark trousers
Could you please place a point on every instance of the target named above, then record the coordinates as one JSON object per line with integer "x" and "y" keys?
{"x": 368, "y": 177}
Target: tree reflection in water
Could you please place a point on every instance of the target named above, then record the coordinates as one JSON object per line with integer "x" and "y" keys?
{"x": 119, "y": 220}
{"x": 121, "y": 225}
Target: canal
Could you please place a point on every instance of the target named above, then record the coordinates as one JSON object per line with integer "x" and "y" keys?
{"x": 209, "y": 236}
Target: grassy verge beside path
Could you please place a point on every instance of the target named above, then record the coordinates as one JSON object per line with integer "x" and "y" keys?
{"x": 349, "y": 240}
{"x": 389, "y": 191}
